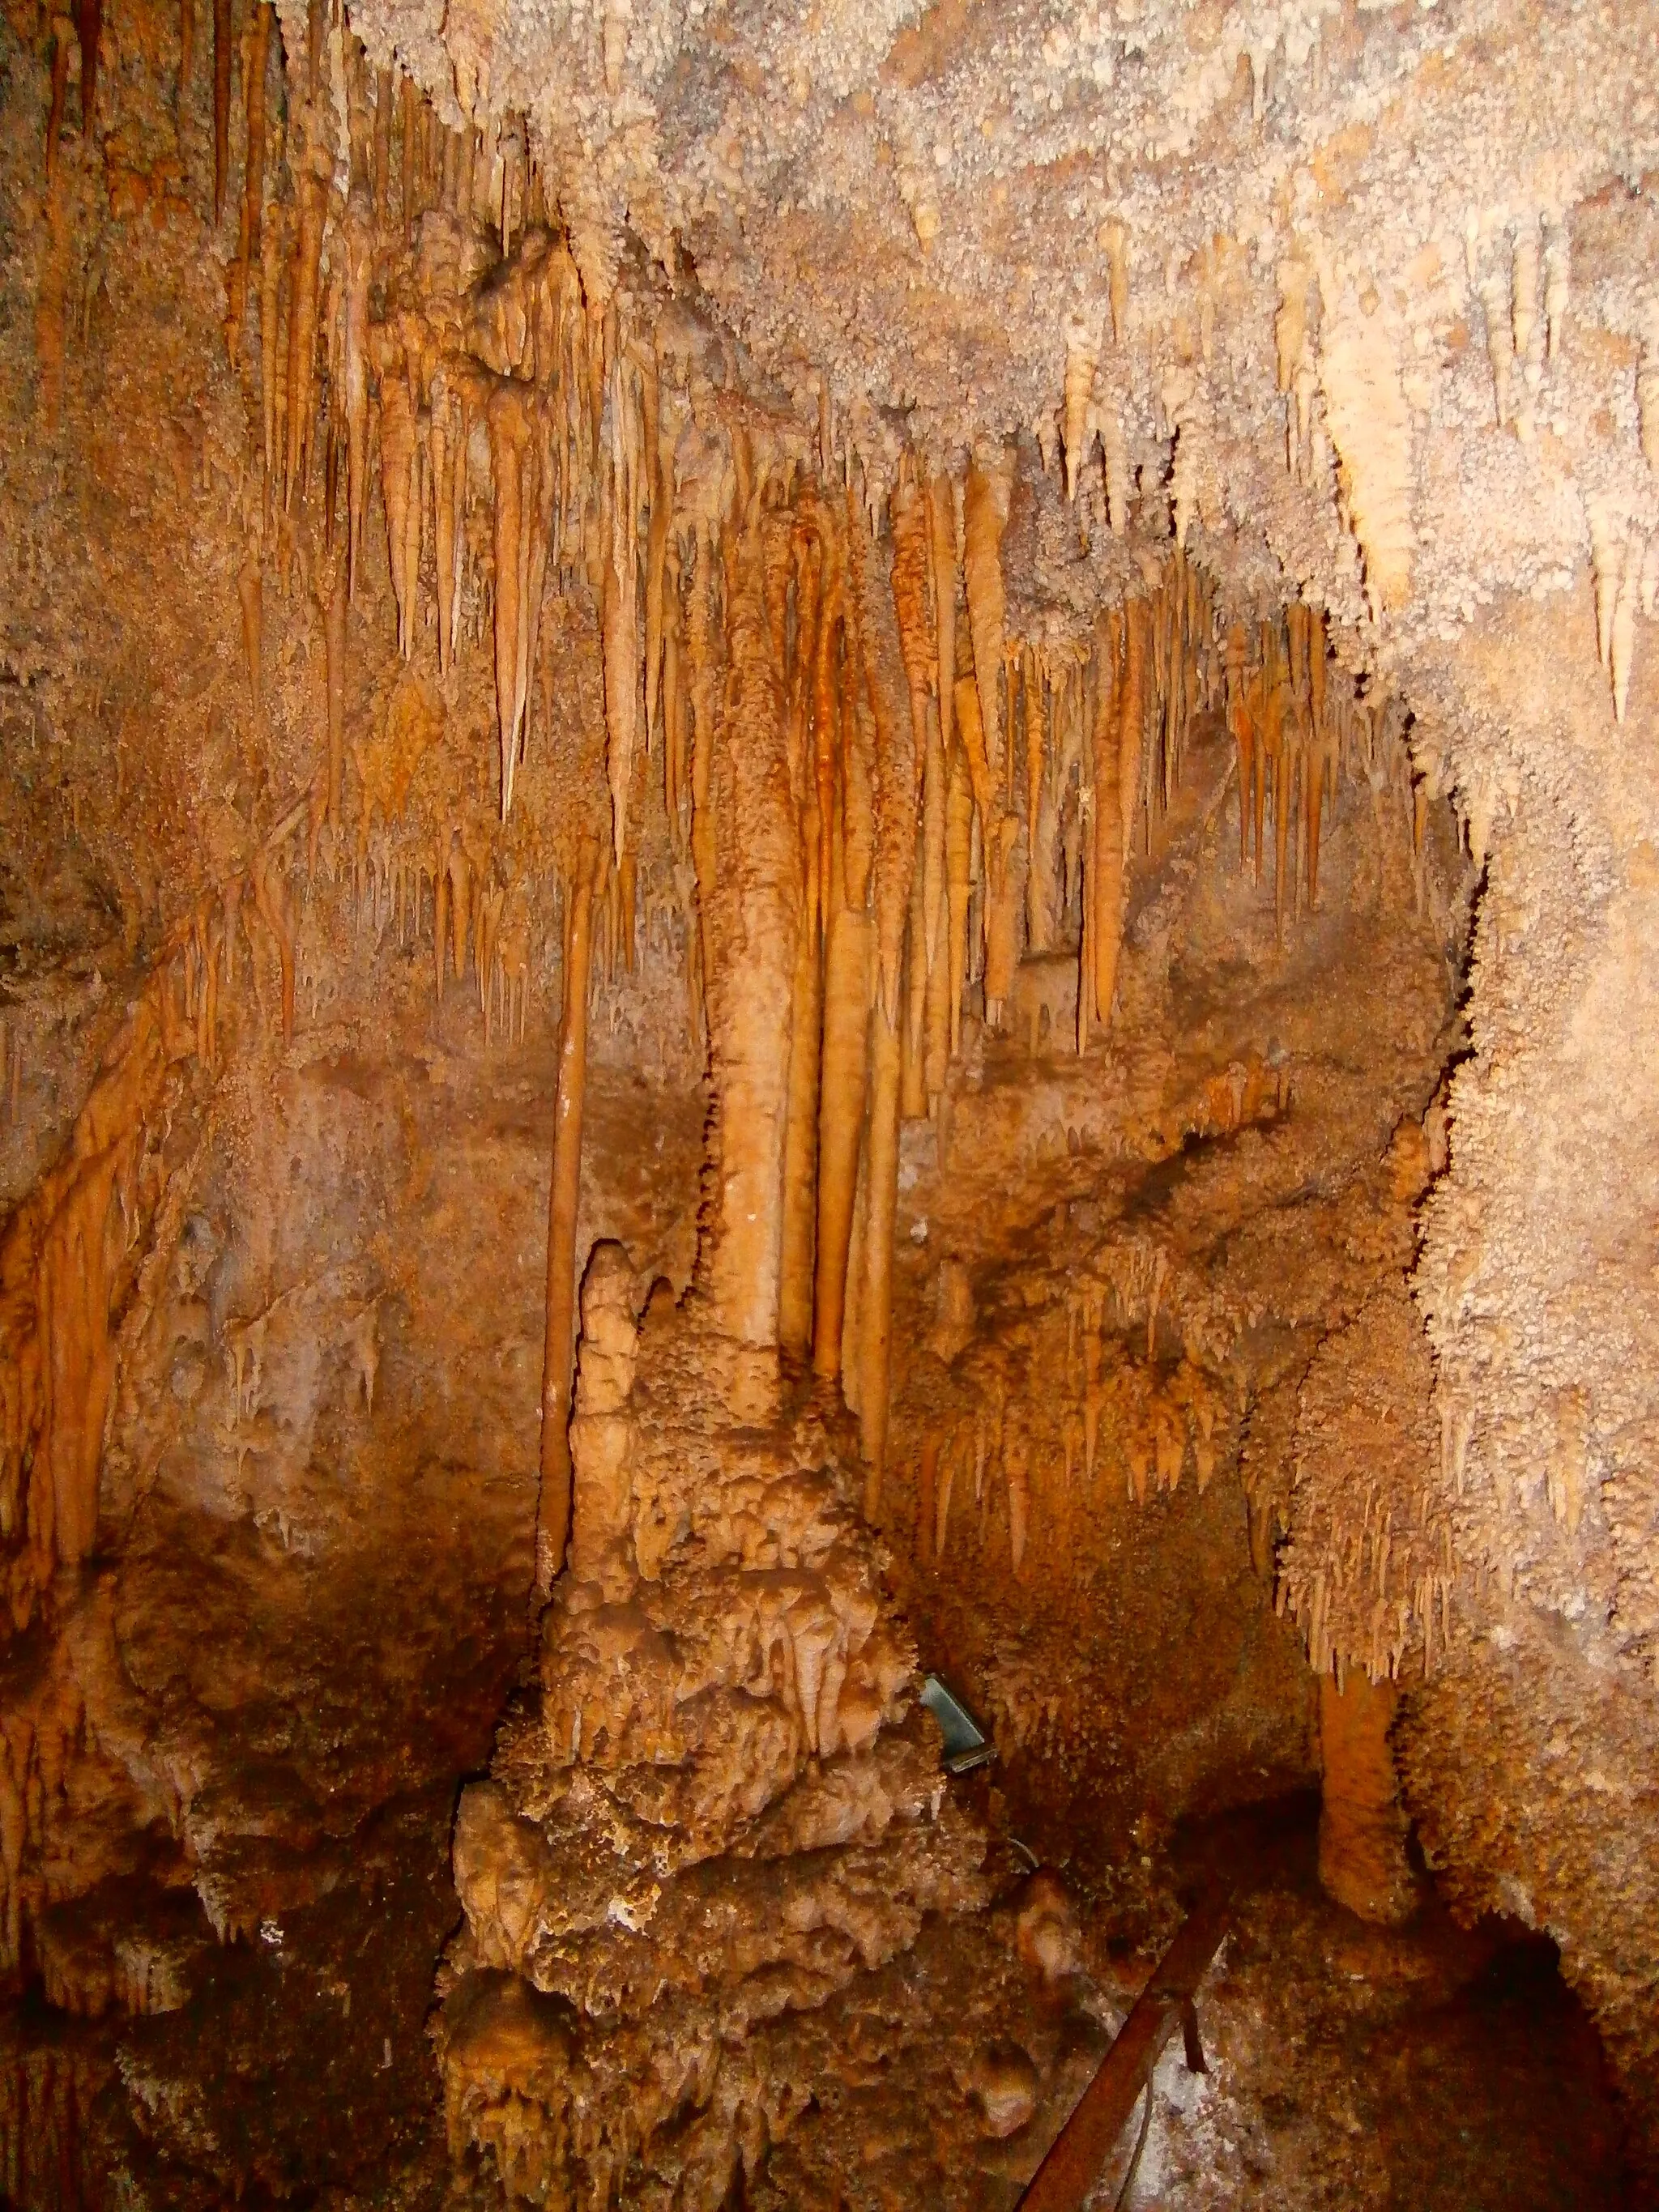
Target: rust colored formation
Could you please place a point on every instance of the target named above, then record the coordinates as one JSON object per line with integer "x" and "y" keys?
{"x": 988, "y": 926}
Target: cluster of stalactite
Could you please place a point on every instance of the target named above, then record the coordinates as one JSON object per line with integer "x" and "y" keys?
{"x": 46, "y": 2097}
{"x": 740, "y": 688}
{"x": 1368, "y": 1570}
{"x": 1008, "y": 1469}
{"x": 81, "y": 1248}
{"x": 1296, "y": 724}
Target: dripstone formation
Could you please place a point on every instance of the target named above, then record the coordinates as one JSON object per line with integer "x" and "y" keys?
{"x": 829, "y": 853}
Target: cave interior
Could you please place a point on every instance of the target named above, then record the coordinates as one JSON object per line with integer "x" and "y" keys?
{"x": 823, "y": 831}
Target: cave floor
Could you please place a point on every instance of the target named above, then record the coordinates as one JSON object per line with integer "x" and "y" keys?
{"x": 1422, "y": 2067}
{"x": 1426, "y": 2067}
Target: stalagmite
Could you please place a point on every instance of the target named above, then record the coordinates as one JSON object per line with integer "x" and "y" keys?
{"x": 564, "y": 1193}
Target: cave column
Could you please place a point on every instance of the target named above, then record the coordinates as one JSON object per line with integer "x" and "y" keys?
{"x": 754, "y": 920}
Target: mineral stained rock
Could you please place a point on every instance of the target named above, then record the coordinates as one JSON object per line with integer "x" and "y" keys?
{"x": 828, "y": 847}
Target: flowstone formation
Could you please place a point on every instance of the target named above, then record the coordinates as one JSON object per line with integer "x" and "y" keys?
{"x": 720, "y": 1803}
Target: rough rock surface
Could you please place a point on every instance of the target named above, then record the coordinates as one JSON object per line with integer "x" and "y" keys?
{"x": 977, "y": 676}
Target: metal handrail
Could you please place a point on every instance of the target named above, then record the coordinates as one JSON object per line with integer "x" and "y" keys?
{"x": 1079, "y": 2153}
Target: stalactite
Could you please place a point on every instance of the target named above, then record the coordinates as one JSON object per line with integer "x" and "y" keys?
{"x": 399, "y": 494}
{"x": 334, "y": 639}
{"x": 1526, "y": 327}
{"x": 800, "y": 1179}
{"x": 381, "y": 159}
{"x": 984, "y": 515}
{"x": 755, "y": 923}
{"x": 1647, "y": 390}
{"x": 316, "y": 170}
{"x": 270, "y": 278}
{"x": 1077, "y": 405}
{"x": 958, "y": 849}
{"x": 1370, "y": 426}
{"x": 250, "y": 589}
{"x": 223, "y": 62}
{"x": 270, "y": 901}
{"x": 253, "y": 178}
{"x": 410, "y": 103}
{"x": 1606, "y": 569}
{"x": 1039, "y": 882}
{"x": 942, "y": 547}
{"x": 885, "y": 674}
{"x": 658, "y": 457}
{"x": 876, "y": 1315}
{"x": 1114, "y": 244}
{"x": 848, "y": 967}
{"x": 1558, "y": 281}
{"x": 564, "y": 1192}
{"x": 59, "y": 92}
{"x": 1494, "y": 291}
{"x": 1017, "y": 1471}
{"x": 89, "y": 25}
{"x": 358, "y": 271}
{"x": 1621, "y": 637}
{"x": 1132, "y": 720}
{"x": 912, "y": 576}
{"x": 621, "y": 602}
{"x": 1104, "y": 877}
